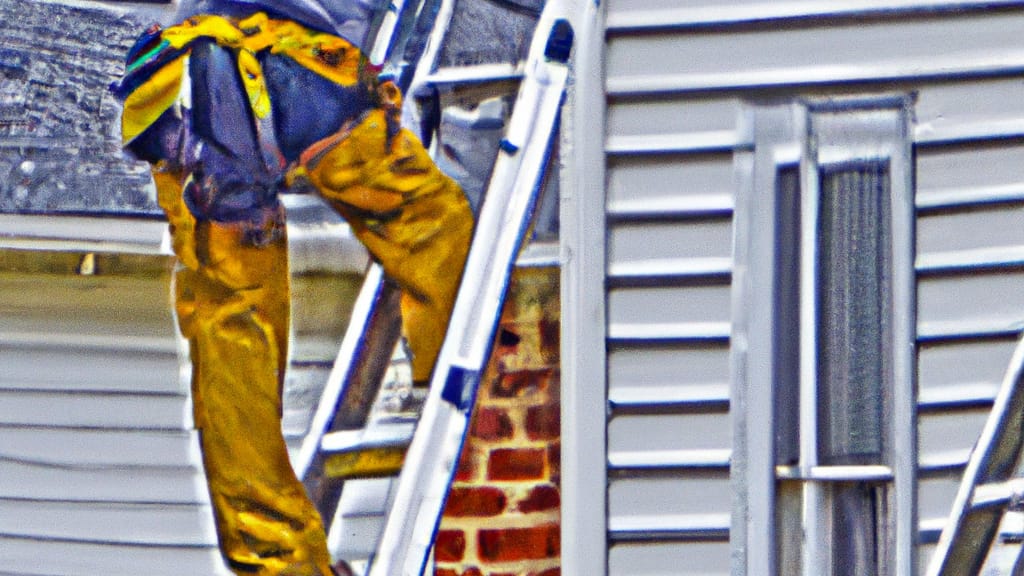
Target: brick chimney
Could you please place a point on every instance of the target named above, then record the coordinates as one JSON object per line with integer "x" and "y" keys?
{"x": 502, "y": 515}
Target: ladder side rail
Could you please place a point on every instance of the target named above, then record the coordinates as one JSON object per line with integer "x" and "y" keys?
{"x": 968, "y": 535}
{"x": 427, "y": 59}
{"x": 354, "y": 351}
{"x": 417, "y": 21}
{"x": 434, "y": 452}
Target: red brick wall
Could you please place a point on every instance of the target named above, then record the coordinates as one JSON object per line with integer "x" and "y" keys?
{"x": 502, "y": 516}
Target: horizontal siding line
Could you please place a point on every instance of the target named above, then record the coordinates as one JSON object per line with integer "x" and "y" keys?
{"x": 74, "y": 233}
{"x": 689, "y": 206}
{"x": 121, "y": 343}
{"x": 85, "y": 392}
{"x": 669, "y": 398}
{"x": 952, "y": 262}
{"x": 619, "y": 332}
{"x": 667, "y": 460}
{"x": 930, "y": 331}
{"x": 719, "y": 141}
{"x": 954, "y": 396}
{"x": 671, "y": 268}
{"x": 157, "y": 430}
{"x": 941, "y": 462}
{"x": 1013, "y": 531}
{"x": 158, "y": 435}
{"x": 36, "y": 463}
{"x": 54, "y": 385}
{"x": 965, "y": 132}
{"x": 184, "y": 485}
{"x": 112, "y": 543}
{"x": 83, "y": 246}
{"x": 955, "y": 197}
{"x": 681, "y": 143}
{"x": 679, "y": 527}
{"x": 111, "y": 503}
{"x": 720, "y": 16}
{"x": 158, "y": 503}
{"x": 194, "y": 532}
{"x": 1004, "y": 64}
{"x": 970, "y": 260}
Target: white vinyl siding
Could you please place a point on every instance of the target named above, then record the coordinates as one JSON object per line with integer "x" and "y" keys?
{"x": 100, "y": 468}
{"x": 677, "y": 76}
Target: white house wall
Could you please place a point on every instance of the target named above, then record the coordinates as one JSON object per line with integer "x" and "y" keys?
{"x": 676, "y": 76}
{"x": 100, "y": 468}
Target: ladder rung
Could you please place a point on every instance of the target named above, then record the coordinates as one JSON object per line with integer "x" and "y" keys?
{"x": 374, "y": 452}
{"x": 476, "y": 74}
{"x": 371, "y": 462}
{"x": 539, "y": 255}
{"x": 1010, "y": 492}
{"x": 377, "y": 436}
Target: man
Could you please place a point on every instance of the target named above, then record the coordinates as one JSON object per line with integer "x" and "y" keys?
{"x": 231, "y": 107}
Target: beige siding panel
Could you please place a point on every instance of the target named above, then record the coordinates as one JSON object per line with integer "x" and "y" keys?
{"x": 943, "y": 108}
{"x": 935, "y": 496}
{"x": 169, "y": 484}
{"x": 986, "y": 104}
{"x": 155, "y": 524}
{"x": 669, "y": 305}
{"x": 962, "y": 372}
{"x": 994, "y": 227}
{"x": 949, "y": 432}
{"x": 961, "y": 302}
{"x": 668, "y": 366}
{"x": 702, "y": 11}
{"x": 97, "y": 448}
{"x": 87, "y": 308}
{"x": 683, "y": 497}
{"x": 840, "y": 50}
{"x": 949, "y": 174}
{"x": 924, "y": 555}
{"x": 90, "y": 410}
{"x": 75, "y": 369}
{"x": 664, "y": 115}
{"x": 644, "y": 241}
{"x": 60, "y": 558}
{"x": 669, "y": 559}
{"x": 655, "y": 432}
{"x": 652, "y": 182}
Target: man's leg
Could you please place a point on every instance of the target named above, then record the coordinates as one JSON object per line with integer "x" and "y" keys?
{"x": 234, "y": 310}
{"x": 413, "y": 219}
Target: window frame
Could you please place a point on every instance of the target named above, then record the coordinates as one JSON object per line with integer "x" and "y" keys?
{"x": 777, "y": 502}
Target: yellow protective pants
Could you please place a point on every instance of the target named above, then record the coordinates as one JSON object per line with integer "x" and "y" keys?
{"x": 232, "y": 303}
{"x": 232, "y": 286}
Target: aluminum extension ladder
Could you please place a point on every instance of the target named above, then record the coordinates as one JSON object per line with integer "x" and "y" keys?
{"x": 344, "y": 441}
{"x": 984, "y": 531}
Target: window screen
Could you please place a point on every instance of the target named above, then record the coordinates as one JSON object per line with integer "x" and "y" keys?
{"x": 853, "y": 312}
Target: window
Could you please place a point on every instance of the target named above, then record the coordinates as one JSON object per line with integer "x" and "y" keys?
{"x": 822, "y": 346}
